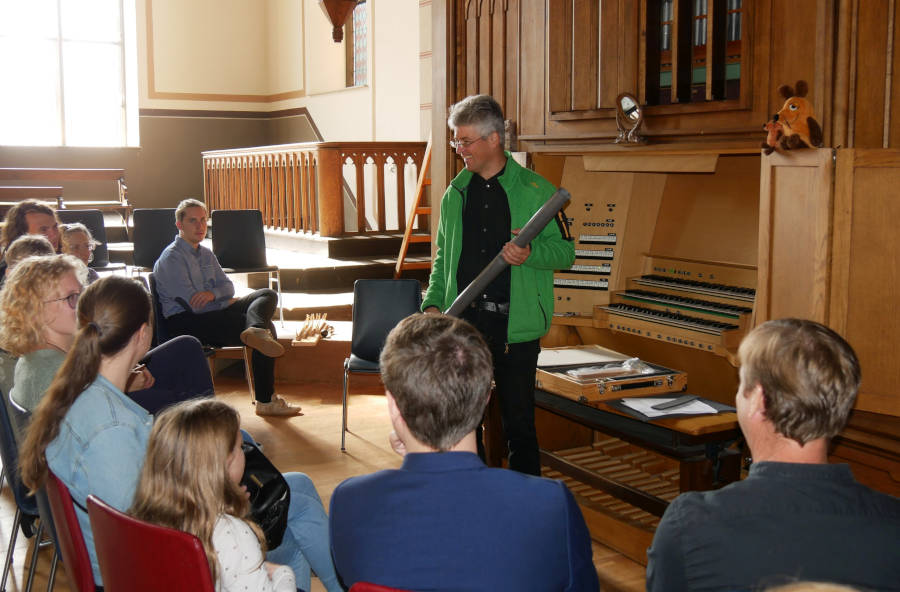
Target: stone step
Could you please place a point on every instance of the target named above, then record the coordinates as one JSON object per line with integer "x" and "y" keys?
{"x": 351, "y": 246}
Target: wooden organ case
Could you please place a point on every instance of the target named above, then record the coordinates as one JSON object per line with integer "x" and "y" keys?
{"x": 665, "y": 270}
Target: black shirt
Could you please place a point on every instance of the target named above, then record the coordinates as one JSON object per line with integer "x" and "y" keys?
{"x": 784, "y": 522}
{"x": 485, "y": 229}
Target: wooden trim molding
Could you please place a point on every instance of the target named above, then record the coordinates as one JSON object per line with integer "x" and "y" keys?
{"x": 198, "y": 113}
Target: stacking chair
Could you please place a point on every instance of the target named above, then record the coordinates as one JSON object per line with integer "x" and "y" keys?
{"x": 20, "y": 418}
{"x": 154, "y": 229}
{"x": 93, "y": 220}
{"x": 136, "y": 556}
{"x": 70, "y": 540}
{"x": 160, "y": 335}
{"x": 26, "y": 515}
{"x": 378, "y": 305}
{"x": 239, "y": 243}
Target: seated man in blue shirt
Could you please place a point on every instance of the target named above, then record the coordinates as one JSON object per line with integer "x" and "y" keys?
{"x": 197, "y": 299}
{"x": 795, "y": 517}
{"x": 445, "y": 521}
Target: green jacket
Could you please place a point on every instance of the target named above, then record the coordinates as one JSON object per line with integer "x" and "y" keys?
{"x": 531, "y": 284}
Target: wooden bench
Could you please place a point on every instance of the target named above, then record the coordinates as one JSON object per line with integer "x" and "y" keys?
{"x": 10, "y": 194}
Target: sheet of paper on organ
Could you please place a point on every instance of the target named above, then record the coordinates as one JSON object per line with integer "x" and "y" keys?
{"x": 578, "y": 356}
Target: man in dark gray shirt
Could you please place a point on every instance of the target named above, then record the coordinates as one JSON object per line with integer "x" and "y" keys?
{"x": 795, "y": 517}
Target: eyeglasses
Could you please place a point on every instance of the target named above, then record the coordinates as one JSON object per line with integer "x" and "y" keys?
{"x": 457, "y": 144}
{"x": 71, "y": 299}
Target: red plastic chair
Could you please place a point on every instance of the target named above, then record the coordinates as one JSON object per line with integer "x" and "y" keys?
{"x": 136, "y": 556}
{"x": 68, "y": 533}
{"x": 370, "y": 587}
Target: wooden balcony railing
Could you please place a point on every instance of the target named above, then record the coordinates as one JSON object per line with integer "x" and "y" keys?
{"x": 304, "y": 187}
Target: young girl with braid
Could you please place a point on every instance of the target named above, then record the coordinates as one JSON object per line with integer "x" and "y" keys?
{"x": 191, "y": 482}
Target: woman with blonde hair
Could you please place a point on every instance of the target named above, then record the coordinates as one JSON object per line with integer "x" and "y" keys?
{"x": 38, "y": 310}
{"x": 191, "y": 482}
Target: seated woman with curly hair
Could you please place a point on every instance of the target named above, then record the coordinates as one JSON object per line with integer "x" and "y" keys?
{"x": 37, "y": 307}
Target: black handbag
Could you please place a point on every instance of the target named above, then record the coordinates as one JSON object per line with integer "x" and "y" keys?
{"x": 269, "y": 494}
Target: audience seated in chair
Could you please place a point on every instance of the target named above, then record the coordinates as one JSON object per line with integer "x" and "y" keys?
{"x": 94, "y": 439}
{"x": 445, "y": 521}
{"x": 191, "y": 481}
{"x": 38, "y": 309}
{"x": 795, "y": 516}
{"x": 197, "y": 299}
{"x": 29, "y": 216}
{"x": 76, "y": 240}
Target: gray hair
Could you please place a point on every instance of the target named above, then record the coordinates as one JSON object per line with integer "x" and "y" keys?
{"x": 481, "y": 111}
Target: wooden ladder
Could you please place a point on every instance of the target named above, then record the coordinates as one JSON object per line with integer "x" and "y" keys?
{"x": 417, "y": 210}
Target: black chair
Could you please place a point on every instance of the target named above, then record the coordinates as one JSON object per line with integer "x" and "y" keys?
{"x": 93, "y": 220}
{"x": 239, "y": 243}
{"x": 378, "y": 305}
{"x": 27, "y": 513}
{"x": 160, "y": 335}
{"x": 154, "y": 229}
{"x": 20, "y": 418}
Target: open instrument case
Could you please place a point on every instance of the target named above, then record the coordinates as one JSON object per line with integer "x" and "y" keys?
{"x": 554, "y": 365}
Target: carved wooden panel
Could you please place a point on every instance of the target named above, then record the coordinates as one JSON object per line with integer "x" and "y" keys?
{"x": 794, "y": 235}
{"x": 866, "y": 270}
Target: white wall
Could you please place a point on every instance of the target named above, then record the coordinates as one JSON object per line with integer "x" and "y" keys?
{"x": 270, "y": 55}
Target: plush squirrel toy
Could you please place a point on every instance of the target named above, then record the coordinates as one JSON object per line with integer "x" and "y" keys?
{"x": 794, "y": 126}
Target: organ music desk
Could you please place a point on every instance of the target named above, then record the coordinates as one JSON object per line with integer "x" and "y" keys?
{"x": 626, "y": 476}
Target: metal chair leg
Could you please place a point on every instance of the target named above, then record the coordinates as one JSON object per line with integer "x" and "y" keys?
{"x": 248, "y": 374}
{"x": 54, "y": 563}
{"x": 344, "y": 422}
{"x": 275, "y": 277}
{"x": 9, "y": 550}
{"x": 2, "y": 478}
{"x": 34, "y": 556}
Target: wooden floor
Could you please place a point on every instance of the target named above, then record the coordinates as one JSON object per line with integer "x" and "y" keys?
{"x": 311, "y": 444}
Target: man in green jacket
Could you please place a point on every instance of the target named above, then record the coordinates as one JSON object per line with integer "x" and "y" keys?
{"x": 485, "y": 205}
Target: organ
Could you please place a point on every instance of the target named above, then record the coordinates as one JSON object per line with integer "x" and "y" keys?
{"x": 811, "y": 233}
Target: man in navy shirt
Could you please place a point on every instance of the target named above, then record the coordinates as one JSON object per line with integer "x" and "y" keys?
{"x": 445, "y": 521}
{"x": 795, "y": 517}
{"x": 198, "y": 299}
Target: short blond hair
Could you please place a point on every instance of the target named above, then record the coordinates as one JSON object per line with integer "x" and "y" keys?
{"x": 808, "y": 373}
{"x": 27, "y": 286}
{"x": 188, "y": 203}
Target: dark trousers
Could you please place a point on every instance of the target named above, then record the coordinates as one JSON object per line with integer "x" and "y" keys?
{"x": 180, "y": 372}
{"x": 515, "y": 365}
{"x": 223, "y": 327}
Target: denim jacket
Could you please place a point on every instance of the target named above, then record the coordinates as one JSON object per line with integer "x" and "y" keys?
{"x": 100, "y": 450}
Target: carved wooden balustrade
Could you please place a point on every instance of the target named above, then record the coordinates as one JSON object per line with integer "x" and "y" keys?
{"x": 302, "y": 187}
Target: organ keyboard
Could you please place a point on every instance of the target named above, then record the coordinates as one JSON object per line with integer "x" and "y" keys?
{"x": 694, "y": 304}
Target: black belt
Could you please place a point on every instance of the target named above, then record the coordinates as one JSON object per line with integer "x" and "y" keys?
{"x": 497, "y": 307}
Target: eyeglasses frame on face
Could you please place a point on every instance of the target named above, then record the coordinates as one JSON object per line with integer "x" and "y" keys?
{"x": 71, "y": 299}
{"x": 457, "y": 144}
